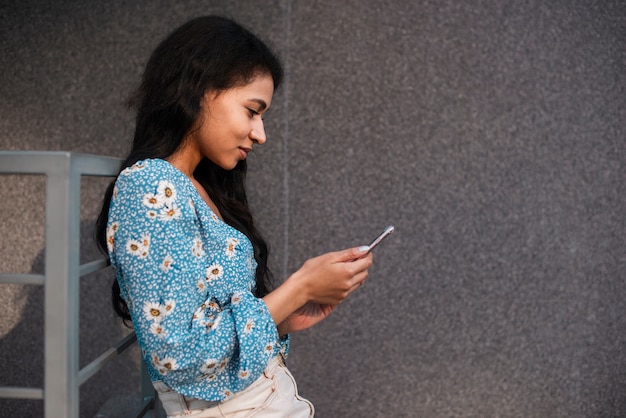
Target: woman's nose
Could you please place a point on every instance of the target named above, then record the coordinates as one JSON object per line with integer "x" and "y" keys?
{"x": 257, "y": 134}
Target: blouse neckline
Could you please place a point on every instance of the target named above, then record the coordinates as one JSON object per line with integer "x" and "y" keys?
{"x": 198, "y": 197}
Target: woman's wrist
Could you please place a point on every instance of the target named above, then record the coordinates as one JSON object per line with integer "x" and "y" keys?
{"x": 282, "y": 330}
{"x": 284, "y": 300}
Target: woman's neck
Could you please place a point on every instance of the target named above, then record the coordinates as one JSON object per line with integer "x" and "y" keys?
{"x": 185, "y": 159}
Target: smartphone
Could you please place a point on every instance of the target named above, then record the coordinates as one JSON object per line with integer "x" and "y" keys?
{"x": 380, "y": 238}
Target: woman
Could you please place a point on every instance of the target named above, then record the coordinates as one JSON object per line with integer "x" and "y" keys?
{"x": 191, "y": 266}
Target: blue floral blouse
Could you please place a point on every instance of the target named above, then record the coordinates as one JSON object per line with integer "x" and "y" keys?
{"x": 188, "y": 279}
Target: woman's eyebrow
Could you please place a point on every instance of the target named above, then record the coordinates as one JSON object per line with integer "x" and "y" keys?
{"x": 260, "y": 102}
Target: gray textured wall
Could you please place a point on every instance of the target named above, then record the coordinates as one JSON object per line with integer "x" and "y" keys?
{"x": 491, "y": 133}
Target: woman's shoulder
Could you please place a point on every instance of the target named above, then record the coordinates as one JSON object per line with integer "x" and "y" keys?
{"x": 153, "y": 176}
{"x": 153, "y": 187}
{"x": 148, "y": 168}
{"x": 145, "y": 172}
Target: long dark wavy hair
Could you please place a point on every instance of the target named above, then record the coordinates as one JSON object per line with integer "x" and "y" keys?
{"x": 210, "y": 53}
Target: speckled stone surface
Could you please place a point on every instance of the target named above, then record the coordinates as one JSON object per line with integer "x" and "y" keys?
{"x": 492, "y": 134}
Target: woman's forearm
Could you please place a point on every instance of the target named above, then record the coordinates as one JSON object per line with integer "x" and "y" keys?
{"x": 284, "y": 300}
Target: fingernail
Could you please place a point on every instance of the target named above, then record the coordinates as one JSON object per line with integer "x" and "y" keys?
{"x": 364, "y": 248}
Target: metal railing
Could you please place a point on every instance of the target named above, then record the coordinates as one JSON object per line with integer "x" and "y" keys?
{"x": 62, "y": 375}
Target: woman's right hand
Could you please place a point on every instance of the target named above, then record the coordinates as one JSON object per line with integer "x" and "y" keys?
{"x": 330, "y": 278}
{"x": 322, "y": 282}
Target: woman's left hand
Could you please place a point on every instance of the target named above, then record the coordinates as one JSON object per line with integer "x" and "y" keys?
{"x": 305, "y": 317}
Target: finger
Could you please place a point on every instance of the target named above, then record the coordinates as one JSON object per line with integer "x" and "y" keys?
{"x": 359, "y": 278}
{"x": 356, "y": 286}
{"x": 350, "y": 254}
{"x": 362, "y": 263}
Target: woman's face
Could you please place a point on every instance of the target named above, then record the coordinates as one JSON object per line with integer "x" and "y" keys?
{"x": 230, "y": 122}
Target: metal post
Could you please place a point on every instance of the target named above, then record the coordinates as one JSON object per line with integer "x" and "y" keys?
{"x": 62, "y": 291}
{"x": 61, "y": 282}
{"x": 149, "y": 396}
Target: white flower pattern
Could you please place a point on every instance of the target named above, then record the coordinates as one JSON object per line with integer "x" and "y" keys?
{"x": 249, "y": 326}
{"x": 136, "y": 248}
{"x": 164, "y": 366}
{"x": 152, "y": 201}
{"x": 166, "y": 264}
{"x": 166, "y": 192}
{"x": 170, "y": 212}
{"x": 197, "y": 248}
{"x": 157, "y": 329}
{"x": 110, "y": 234}
{"x": 231, "y": 247}
{"x": 153, "y": 311}
{"x": 214, "y": 271}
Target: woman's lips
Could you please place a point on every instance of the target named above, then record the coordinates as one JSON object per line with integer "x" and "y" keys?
{"x": 244, "y": 152}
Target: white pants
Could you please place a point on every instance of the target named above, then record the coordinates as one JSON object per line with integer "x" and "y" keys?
{"x": 274, "y": 394}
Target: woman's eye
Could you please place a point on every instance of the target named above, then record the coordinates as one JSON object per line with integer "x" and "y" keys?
{"x": 253, "y": 112}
